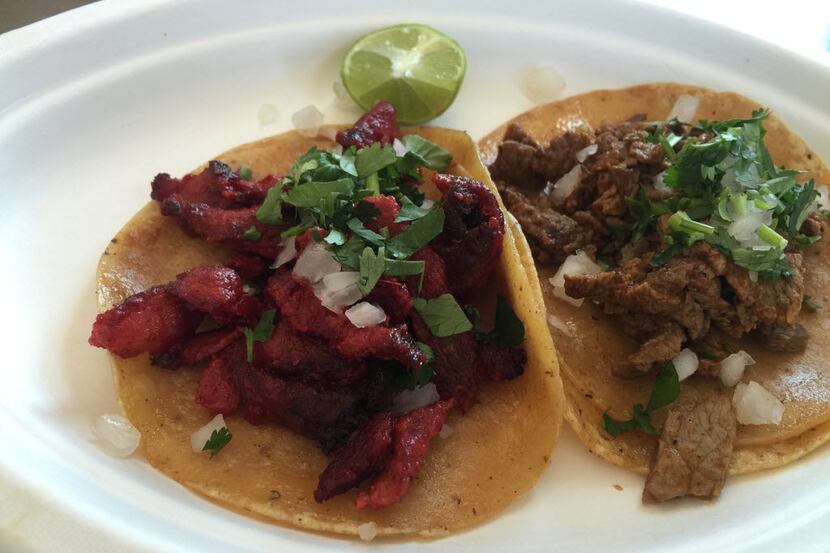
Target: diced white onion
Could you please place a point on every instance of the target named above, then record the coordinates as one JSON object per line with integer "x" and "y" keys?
{"x": 559, "y": 191}
{"x": 315, "y": 262}
{"x": 685, "y": 108}
{"x": 446, "y": 431}
{"x": 116, "y": 435}
{"x": 267, "y": 114}
{"x": 307, "y": 121}
{"x": 427, "y": 203}
{"x": 199, "y": 438}
{"x": 409, "y": 400}
{"x": 367, "y": 531}
{"x": 753, "y": 276}
{"x": 559, "y": 324}
{"x": 660, "y": 184}
{"x": 542, "y": 83}
{"x": 730, "y": 179}
{"x": 341, "y": 96}
{"x": 744, "y": 228}
{"x": 586, "y": 152}
{"x": 685, "y": 363}
{"x": 574, "y": 265}
{"x": 287, "y": 253}
{"x": 732, "y": 368}
{"x": 365, "y": 314}
{"x": 249, "y": 290}
{"x": 400, "y": 149}
{"x": 754, "y": 404}
{"x": 338, "y": 290}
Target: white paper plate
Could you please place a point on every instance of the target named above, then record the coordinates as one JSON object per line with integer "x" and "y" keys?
{"x": 94, "y": 102}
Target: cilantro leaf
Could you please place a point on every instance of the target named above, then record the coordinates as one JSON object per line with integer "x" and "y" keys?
{"x": 811, "y": 304}
{"x": 317, "y": 194}
{"x": 373, "y": 159}
{"x": 665, "y": 391}
{"x": 245, "y": 172}
{"x": 371, "y": 268}
{"x": 418, "y": 234}
{"x": 365, "y": 211}
{"x": 443, "y": 315}
{"x": 218, "y": 439}
{"x": 368, "y": 235}
{"x": 270, "y": 212}
{"x": 349, "y": 253}
{"x": 427, "y": 153}
{"x": 508, "y": 329}
{"x": 666, "y": 255}
{"x": 335, "y": 238}
{"x": 295, "y": 230}
{"x": 251, "y": 233}
{"x": 666, "y": 388}
{"x": 800, "y": 208}
{"x": 261, "y": 333}
{"x": 409, "y": 211}
{"x": 399, "y": 267}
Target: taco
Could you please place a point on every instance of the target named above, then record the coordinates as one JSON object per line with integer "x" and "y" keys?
{"x": 341, "y": 302}
{"x": 691, "y": 221}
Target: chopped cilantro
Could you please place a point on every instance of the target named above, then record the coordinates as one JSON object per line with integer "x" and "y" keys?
{"x": 418, "y": 234}
{"x": 270, "y": 212}
{"x": 251, "y": 233}
{"x": 665, "y": 391}
{"x": 368, "y": 235}
{"x": 261, "y": 333}
{"x": 335, "y": 238}
{"x": 348, "y": 254}
{"x": 811, "y": 304}
{"x": 427, "y": 153}
{"x": 218, "y": 439}
{"x": 400, "y": 267}
{"x": 665, "y": 255}
{"x": 295, "y": 230}
{"x": 409, "y": 211}
{"x": 371, "y": 268}
{"x": 442, "y": 315}
{"x": 317, "y": 194}
{"x": 508, "y": 329}
{"x": 245, "y": 172}
{"x": 373, "y": 159}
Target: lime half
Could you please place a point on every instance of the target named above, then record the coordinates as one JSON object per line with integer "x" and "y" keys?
{"x": 416, "y": 68}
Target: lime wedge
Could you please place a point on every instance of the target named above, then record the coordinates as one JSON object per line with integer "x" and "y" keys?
{"x": 416, "y": 68}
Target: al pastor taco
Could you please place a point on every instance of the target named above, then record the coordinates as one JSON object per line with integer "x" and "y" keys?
{"x": 691, "y": 221}
{"x": 359, "y": 313}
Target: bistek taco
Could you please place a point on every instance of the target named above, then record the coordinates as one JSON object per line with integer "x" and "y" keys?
{"x": 691, "y": 221}
{"x": 308, "y": 291}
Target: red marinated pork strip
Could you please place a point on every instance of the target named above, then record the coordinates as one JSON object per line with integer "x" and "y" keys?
{"x": 471, "y": 241}
{"x": 435, "y": 276}
{"x": 152, "y": 321}
{"x": 199, "y": 348}
{"x": 412, "y": 435}
{"x": 389, "y": 209}
{"x": 218, "y": 291}
{"x": 297, "y": 303}
{"x": 216, "y": 186}
{"x": 307, "y": 358}
{"x": 364, "y": 455}
{"x": 393, "y": 297}
{"x": 377, "y": 125}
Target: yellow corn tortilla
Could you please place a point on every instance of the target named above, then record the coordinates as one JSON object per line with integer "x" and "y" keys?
{"x": 593, "y": 343}
{"x": 494, "y": 455}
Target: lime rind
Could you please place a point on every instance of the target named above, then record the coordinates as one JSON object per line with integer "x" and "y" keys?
{"x": 415, "y": 67}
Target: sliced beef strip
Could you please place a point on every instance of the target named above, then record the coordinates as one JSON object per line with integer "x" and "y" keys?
{"x": 694, "y": 451}
{"x": 553, "y": 236}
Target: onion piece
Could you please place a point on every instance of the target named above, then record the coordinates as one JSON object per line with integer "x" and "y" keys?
{"x": 446, "y": 431}
{"x": 427, "y": 203}
{"x": 342, "y": 99}
{"x": 338, "y": 290}
{"x": 660, "y": 184}
{"x": 267, "y": 114}
{"x": 400, "y": 149}
{"x": 559, "y": 191}
{"x": 365, "y": 314}
{"x": 754, "y": 404}
{"x": 287, "y": 253}
{"x": 542, "y": 83}
{"x": 684, "y": 108}
{"x": 116, "y": 435}
{"x": 586, "y": 152}
{"x": 315, "y": 262}
{"x": 307, "y": 121}
{"x": 732, "y": 368}
{"x": 685, "y": 363}
{"x": 744, "y": 228}
{"x": 199, "y": 438}
{"x": 559, "y": 324}
{"x": 409, "y": 400}
{"x": 574, "y": 265}
{"x": 367, "y": 531}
